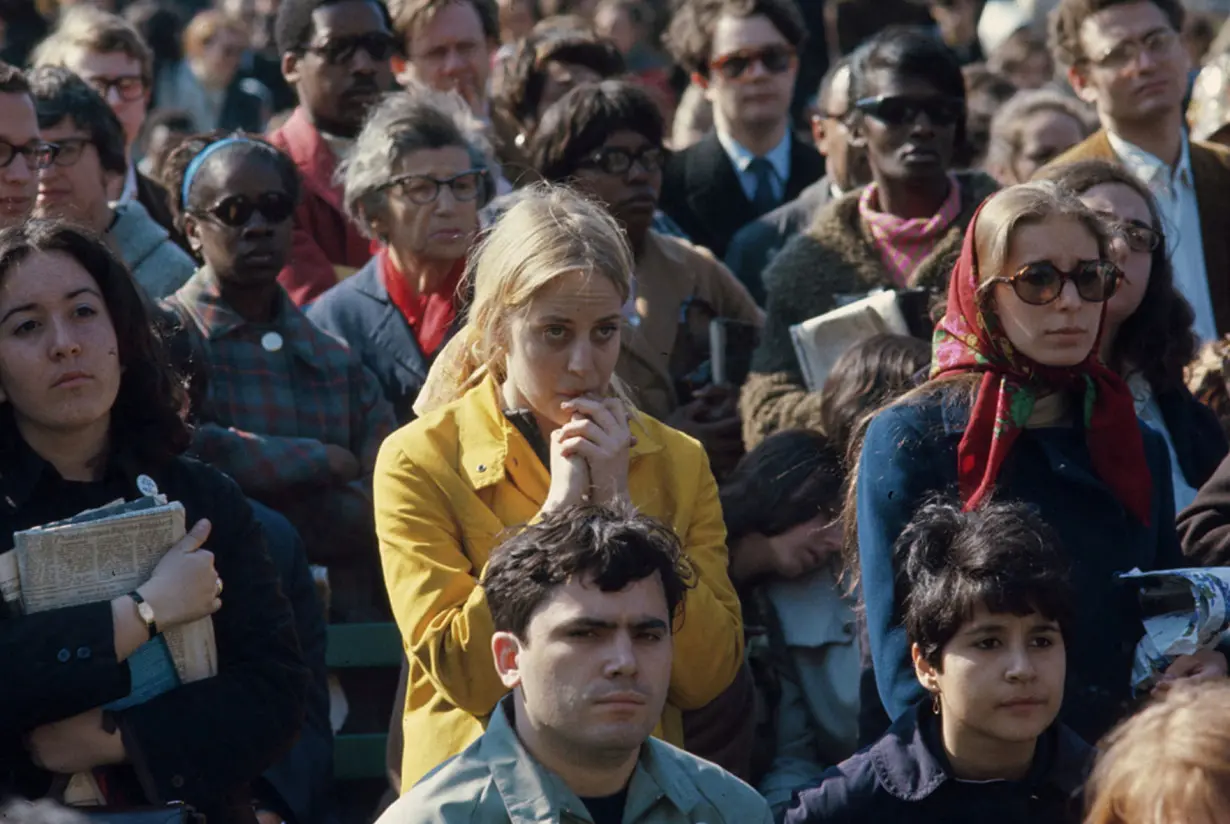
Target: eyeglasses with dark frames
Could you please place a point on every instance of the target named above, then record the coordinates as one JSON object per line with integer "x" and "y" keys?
{"x": 424, "y": 189}
{"x": 129, "y": 87}
{"x": 616, "y": 161}
{"x": 37, "y": 154}
{"x": 69, "y": 150}
{"x": 1041, "y": 282}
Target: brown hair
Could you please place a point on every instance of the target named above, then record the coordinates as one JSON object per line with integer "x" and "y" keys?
{"x": 1067, "y": 18}
{"x": 409, "y": 16}
{"x": 690, "y": 36}
{"x": 94, "y": 30}
{"x": 205, "y": 26}
{"x": 1169, "y": 763}
{"x": 1008, "y": 124}
{"x": 1014, "y": 52}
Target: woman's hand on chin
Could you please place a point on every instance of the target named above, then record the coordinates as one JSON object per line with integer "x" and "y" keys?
{"x": 76, "y": 744}
{"x": 599, "y": 433}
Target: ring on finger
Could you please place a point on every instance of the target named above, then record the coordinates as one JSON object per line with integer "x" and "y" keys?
{"x": 219, "y": 590}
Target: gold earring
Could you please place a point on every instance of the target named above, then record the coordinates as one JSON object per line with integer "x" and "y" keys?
{"x": 935, "y": 702}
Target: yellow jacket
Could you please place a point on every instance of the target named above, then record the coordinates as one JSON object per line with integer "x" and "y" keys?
{"x": 446, "y": 486}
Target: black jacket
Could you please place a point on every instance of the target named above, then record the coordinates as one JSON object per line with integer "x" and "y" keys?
{"x": 201, "y": 743}
{"x": 906, "y": 779}
{"x": 1199, "y": 441}
{"x": 701, "y": 190}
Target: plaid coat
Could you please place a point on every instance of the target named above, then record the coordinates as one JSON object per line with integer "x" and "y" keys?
{"x": 267, "y": 416}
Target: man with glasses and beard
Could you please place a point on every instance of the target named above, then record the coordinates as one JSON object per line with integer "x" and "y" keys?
{"x": 745, "y": 55}
{"x": 336, "y": 54}
{"x": 903, "y": 230}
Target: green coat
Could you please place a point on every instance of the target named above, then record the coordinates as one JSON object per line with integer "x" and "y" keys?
{"x": 496, "y": 781}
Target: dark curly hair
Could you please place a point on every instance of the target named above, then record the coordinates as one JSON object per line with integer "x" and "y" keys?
{"x": 1066, "y": 19}
{"x": 1000, "y": 555}
{"x": 614, "y": 546}
{"x": 579, "y": 123}
{"x": 1157, "y": 339}
{"x": 146, "y": 416}
{"x": 690, "y": 36}
{"x": 176, "y": 166}
{"x": 293, "y": 27}
{"x": 60, "y": 94}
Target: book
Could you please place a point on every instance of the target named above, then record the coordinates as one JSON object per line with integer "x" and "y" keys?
{"x": 820, "y": 341}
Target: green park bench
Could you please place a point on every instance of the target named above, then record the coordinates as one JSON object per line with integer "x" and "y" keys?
{"x": 351, "y": 646}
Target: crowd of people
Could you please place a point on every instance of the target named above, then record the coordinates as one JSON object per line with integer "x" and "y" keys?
{"x": 482, "y": 319}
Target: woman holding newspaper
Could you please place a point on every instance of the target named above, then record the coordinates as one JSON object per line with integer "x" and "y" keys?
{"x": 1020, "y": 407}
{"x": 90, "y": 415}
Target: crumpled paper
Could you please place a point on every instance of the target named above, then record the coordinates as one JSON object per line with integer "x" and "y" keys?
{"x": 1185, "y": 610}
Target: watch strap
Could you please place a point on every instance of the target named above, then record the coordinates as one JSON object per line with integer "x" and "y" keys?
{"x": 150, "y": 623}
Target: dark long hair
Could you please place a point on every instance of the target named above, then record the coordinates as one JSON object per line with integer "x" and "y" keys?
{"x": 788, "y": 479}
{"x": 1157, "y": 339}
{"x": 146, "y": 415}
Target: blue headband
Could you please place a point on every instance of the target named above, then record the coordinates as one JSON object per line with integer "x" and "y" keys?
{"x": 199, "y": 161}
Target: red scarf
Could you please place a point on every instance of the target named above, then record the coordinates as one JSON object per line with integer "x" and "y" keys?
{"x": 430, "y": 315}
{"x": 969, "y": 339}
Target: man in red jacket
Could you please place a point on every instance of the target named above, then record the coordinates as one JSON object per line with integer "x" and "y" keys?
{"x": 335, "y": 53}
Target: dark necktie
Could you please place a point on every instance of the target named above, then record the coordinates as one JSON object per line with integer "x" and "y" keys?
{"x": 764, "y": 200}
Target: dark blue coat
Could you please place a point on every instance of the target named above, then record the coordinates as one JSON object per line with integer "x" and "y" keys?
{"x": 910, "y": 452}
{"x": 1199, "y": 441}
{"x": 359, "y": 311}
{"x": 904, "y": 778}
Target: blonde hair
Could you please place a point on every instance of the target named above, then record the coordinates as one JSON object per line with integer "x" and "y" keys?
{"x": 1169, "y": 763}
{"x": 205, "y": 26}
{"x": 87, "y": 28}
{"x": 549, "y": 232}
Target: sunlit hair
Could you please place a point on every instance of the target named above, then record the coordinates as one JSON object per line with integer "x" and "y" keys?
{"x": 1023, "y": 205}
{"x": 1169, "y": 763}
{"x": 205, "y": 27}
{"x": 84, "y": 27}
{"x": 549, "y": 232}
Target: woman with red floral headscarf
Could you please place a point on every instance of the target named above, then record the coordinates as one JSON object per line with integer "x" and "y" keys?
{"x": 1019, "y": 407}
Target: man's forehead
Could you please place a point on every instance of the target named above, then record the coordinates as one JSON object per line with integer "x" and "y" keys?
{"x": 89, "y": 63}
{"x": 457, "y": 21}
{"x": 18, "y": 121}
{"x": 1113, "y": 25}
{"x": 583, "y": 600}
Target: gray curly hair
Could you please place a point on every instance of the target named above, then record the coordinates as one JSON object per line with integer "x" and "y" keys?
{"x": 405, "y": 122}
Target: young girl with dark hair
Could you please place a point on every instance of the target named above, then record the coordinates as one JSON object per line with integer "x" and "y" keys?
{"x": 987, "y": 613}
{"x": 90, "y": 413}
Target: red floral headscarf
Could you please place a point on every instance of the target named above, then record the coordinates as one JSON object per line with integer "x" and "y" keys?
{"x": 970, "y": 339}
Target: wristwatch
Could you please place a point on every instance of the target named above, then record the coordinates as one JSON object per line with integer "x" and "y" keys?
{"x": 146, "y": 612}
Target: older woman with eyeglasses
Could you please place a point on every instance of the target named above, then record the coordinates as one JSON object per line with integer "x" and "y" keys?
{"x": 414, "y": 183}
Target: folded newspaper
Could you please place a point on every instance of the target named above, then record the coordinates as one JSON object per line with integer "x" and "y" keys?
{"x": 1185, "y": 610}
{"x": 820, "y": 341}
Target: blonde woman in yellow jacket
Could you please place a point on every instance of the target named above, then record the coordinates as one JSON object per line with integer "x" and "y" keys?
{"x": 521, "y": 417}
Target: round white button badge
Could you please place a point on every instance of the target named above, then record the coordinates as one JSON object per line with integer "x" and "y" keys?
{"x": 271, "y": 342}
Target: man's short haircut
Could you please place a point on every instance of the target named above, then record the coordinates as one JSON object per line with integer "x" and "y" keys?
{"x": 841, "y": 64}
{"x": 579, "y": 123}
{"x": 611, "y": 547}
{"x": 518, "y": 90}
{"x": 13, "y": 80}
{"x": 999, "y": 555}
{"x": 906, "y": 52}
{"x": 409, "y": 16}
{"x": 59, "y": 94}
{"x": 1066, "y": 20}
{"x": 293, "y": 27}
{"x": 84, "y": 27}
{"x": 690, "y": 36}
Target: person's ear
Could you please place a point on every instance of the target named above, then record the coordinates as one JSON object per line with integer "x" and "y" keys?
{"x": 192, "y": 231}
{"x": 290, "y": 67}
{"x": 819, "y": 132}
{"x": 506, "y": 649}
{"x": 701, "y": 82}
{"x": 398, "y": 64}
{"x": 856, "y": 125}
{"x": 1081, "y": 85}
{"x": 926, "y": 674}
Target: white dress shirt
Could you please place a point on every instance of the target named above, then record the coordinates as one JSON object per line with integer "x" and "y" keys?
{"x": 741, "y": 158}
{"x": 1175, "y": 192}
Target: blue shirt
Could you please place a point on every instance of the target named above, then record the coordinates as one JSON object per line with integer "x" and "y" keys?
{"x": 741, "y": 159}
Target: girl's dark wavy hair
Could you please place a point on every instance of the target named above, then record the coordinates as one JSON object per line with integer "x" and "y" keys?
{"x": 1157, "y": 339}
{"x": 146, "y": 417}
{"x": 788, "y": 479}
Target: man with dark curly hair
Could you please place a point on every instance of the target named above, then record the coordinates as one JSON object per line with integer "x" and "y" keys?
{"x": 745, "y": 55}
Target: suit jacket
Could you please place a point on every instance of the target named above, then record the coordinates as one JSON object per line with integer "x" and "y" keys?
{"x": 327, "y": 246}
{"x": 702, "y": 193}
{"x": 758, "y": 242}
{"x": 1211, "y": 171}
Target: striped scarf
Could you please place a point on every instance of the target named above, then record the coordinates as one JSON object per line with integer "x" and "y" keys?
{"x": 904, "y": 243}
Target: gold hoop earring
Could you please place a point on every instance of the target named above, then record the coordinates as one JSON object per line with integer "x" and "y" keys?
{"x": 935, "y": 702}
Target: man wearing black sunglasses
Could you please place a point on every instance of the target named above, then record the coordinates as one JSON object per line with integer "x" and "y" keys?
{"x": 336, "y": 53}
{"x": 901, "y": 231}
{"x": 745, "y": 55}
{"x": 22, "y": 152}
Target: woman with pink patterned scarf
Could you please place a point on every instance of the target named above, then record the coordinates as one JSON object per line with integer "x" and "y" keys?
{"x": 904, "y": 230}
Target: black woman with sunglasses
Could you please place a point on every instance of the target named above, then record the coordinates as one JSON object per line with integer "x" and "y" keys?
{"x": 907, "y": 113}
{"x": 414, "y": 183}
{"x": 289, "y": 411}
{"x": 1020, "y": 407}
{"x": 1148, "y": 336}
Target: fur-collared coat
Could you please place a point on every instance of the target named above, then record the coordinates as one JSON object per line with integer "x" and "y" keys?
{"x": 835, "y": 257}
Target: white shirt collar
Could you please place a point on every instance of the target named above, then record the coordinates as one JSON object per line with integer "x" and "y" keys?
{"x": 1147, "y": 166}
{"x": 778, "y": 156}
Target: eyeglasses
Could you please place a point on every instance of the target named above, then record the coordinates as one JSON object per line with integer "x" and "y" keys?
{"x": 38, "y": 155}
{"x": 1041, "y": 282}
{"x": 775, "y": 59}
{"x": 342, "y": 50}
{"x": 1139, "y": 237}
{"x": 68, "y": 150}
{"x": 236, "y": 211}
{"x": 616, "y": 161}
{"x": 424, "y": 189}
{"x": 129, "y": 87}
{"x": 901, "y": 110}
{"x": 1157, "y": 44}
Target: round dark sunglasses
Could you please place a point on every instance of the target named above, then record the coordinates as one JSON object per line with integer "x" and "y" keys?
{"x": 901, "y": 110}
{"x": 379, "y": 47}
{"x": 1041, "y": 282}
{"x": 775, "y": 59}
{"x": 237, "y": 210}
